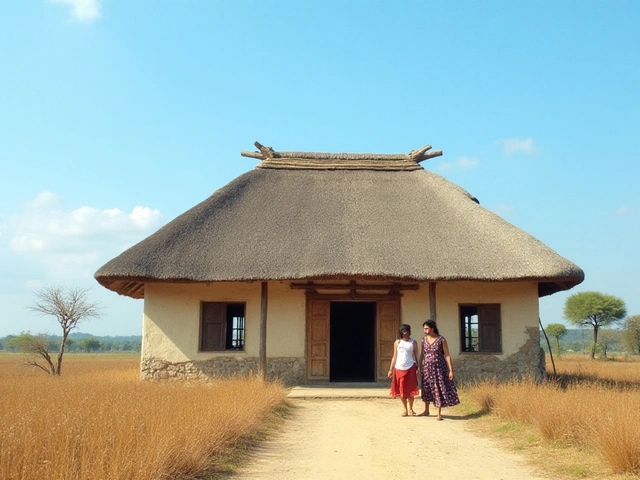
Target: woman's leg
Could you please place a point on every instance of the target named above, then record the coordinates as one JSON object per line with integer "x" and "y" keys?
{"x": 404, "y": 405}
{"x": 426, "y": 410}
{"x": 410, "y": 400}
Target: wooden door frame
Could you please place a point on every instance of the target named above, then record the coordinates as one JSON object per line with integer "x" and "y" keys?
{"x": 361, "y": 298}
{"x": 332, "y": 290}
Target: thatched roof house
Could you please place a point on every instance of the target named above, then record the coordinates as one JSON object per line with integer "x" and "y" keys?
{"x": 342, "y": 218}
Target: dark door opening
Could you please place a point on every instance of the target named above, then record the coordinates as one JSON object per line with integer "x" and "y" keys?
{"x": 353, "y": 341}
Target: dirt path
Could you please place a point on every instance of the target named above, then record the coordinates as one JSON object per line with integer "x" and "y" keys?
{"x": 368, "y": 439}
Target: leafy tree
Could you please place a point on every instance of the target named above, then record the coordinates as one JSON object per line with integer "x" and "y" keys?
{"x": 89, "y": 344}
{"x": 69, "y": 307}
{"x": 557, "y": 331}
{"x": 7, "y": 343}
{"x": 631, "y": 334}
{"x": 609, "y": 339}
{"x": 594, "y": 309}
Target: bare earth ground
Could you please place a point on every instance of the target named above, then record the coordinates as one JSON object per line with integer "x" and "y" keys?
{"x": 366, "y": 438}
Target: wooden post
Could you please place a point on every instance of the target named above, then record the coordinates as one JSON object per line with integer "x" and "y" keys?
{"x": 432, "y": 301}
{"x": 263, "y": 331}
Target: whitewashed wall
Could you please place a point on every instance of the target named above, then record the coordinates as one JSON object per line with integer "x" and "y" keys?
{"x": 171, "y": 324}
{"x": 171, "y": 320}
{"x": 518, "y": 300}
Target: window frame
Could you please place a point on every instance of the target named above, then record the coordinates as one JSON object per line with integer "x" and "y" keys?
{"x": 488, "y": 320}
{"x": 218, "y": 323}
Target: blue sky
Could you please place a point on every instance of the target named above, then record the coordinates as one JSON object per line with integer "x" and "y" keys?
{"x": 117, "y": 116}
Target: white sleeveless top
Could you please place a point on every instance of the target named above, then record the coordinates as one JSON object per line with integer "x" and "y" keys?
{"x": 404, "y": 359}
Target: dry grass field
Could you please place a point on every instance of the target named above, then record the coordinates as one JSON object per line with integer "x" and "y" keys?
{"x": 585, "y": 423}
{"x": 99, "y": 421}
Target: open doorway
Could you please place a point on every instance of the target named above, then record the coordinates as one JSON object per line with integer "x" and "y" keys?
{"x": 353, "y": 341}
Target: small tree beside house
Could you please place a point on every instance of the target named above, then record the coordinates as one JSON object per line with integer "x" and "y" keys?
{"x": 557, "y": 331}
{"x": 608, "y": 340}
{"x": 594, "y": 309}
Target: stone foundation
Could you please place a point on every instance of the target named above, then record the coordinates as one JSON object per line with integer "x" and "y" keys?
{"x": 528, "y": 360}
{"x": 291, "y": 371}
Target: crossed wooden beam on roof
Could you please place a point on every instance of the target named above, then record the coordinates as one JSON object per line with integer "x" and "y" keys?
{"x": 266, "y": 153}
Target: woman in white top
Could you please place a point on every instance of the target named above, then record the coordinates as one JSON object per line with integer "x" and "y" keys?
{"x": 403, "y": 370}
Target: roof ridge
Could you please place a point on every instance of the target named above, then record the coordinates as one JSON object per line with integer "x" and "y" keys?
{"x": 268, "y": 153}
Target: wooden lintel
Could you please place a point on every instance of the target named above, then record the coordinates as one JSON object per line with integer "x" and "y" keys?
{"x": 361, "y": 297}
{"x": 354, "y": 286}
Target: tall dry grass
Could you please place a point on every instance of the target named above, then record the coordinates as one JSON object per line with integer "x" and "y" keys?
{"x": 99, "y": 421}
{"x": 592, "y": 403}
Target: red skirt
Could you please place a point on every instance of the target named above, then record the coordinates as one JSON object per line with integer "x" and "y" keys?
{"x": 404, "y": 383}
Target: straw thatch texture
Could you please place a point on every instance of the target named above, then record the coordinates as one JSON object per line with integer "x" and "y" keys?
{"x": 285, "y": 224}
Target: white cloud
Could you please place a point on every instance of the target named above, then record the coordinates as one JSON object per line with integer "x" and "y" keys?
{"x": 516, "y": 145}
{"x": 626, "y": 211}
{"x": 461, "y": 163}
{"x": 45, "y": 199}
{"x": 68, "y": 241}
{"x": 82, "y": 10}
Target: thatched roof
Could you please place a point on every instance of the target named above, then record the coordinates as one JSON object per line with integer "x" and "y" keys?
{"x": 338, "y": 216}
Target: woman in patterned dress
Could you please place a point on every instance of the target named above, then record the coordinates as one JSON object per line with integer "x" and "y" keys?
{"x": 437, "y": 371}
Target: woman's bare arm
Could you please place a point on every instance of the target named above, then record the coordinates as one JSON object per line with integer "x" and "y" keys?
{"x": 393, "y": 359}
{"x": 447, "y": 357}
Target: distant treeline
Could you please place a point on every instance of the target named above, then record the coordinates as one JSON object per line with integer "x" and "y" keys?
{"x": 579, "y": 340}
{"x": 84, "y": 343}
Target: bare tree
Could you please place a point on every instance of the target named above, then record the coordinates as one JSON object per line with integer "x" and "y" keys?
{"x": 34, "y": 345}
{"x": 69, "y": 306}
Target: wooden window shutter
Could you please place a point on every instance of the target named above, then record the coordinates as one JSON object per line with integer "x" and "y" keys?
{"x": 214, "y": 326}
{"x": 489, "y": 329}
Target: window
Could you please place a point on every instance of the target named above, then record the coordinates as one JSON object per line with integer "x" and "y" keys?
{"x": 222, "y": 326}
{"x": 480, "y": 328}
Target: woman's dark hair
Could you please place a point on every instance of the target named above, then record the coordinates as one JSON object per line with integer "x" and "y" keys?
{"x": 404, "y": 328}
{"x": 432, "y": 325}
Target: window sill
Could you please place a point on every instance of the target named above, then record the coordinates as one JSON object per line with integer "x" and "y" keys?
{"x": 223, "y": 351}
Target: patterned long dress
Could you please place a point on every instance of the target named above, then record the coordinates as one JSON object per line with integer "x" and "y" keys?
{"x": 436, "y": 386}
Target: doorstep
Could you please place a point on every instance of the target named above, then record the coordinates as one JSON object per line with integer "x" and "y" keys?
{"x": 341, "y": 390}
